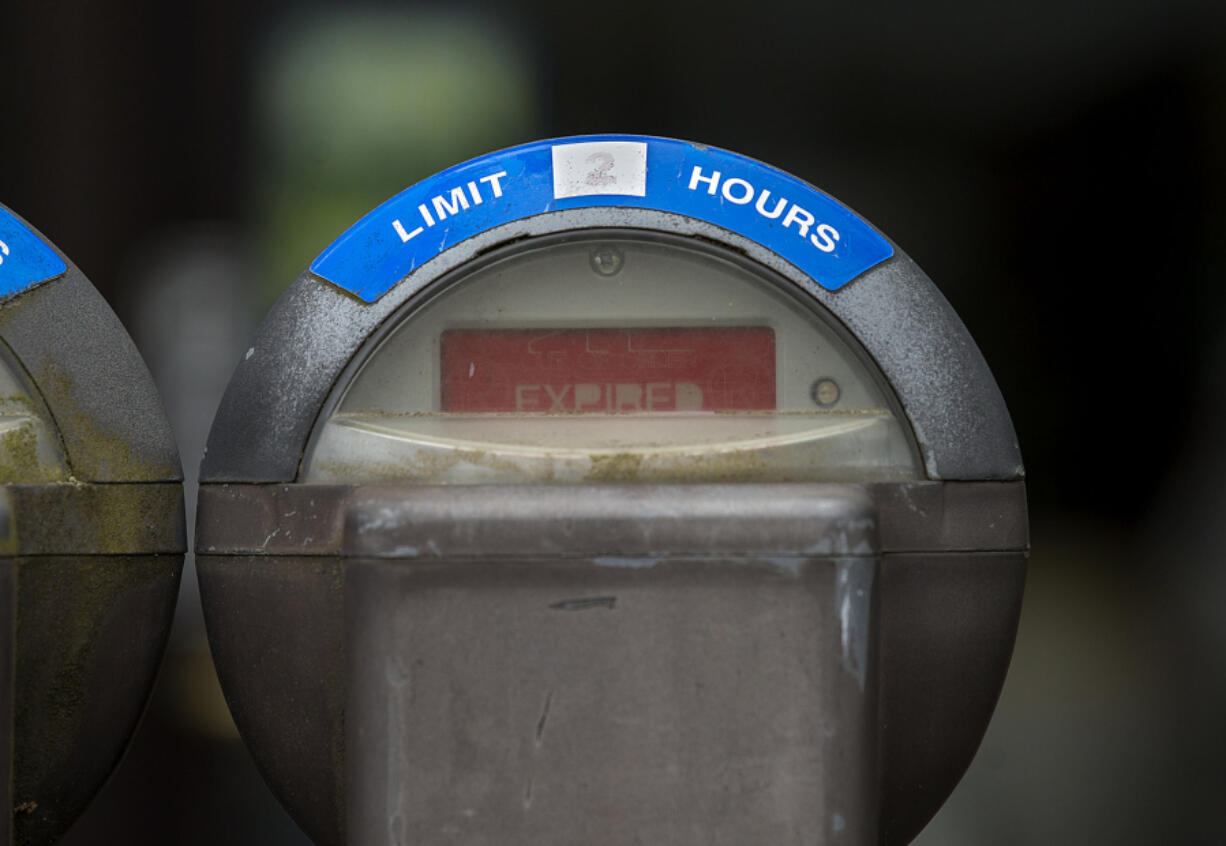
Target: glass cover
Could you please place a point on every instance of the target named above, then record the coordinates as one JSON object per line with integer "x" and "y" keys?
{"x": 614, "y": 356}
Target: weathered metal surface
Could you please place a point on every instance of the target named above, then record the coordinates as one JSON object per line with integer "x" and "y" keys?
{"x": 952, "y": 516}
{"x": 311, "y": 519}
{"x": 947, "y": 625}
{"x": 84, "y": 519}
{"x": 276, "y": 626}
{"x": 276, "y": 629}
{"x": 93, "y": 381}
{"x": 596, "y": 520}
{"x": 91, "y": 550}
{"x": 278, "y": 633}
{"x": 696, "y": 702}
{"x": 271, "y": 519}
{"x": 89, "y": 635}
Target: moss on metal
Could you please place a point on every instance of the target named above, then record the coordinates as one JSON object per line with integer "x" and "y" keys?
{"x": 27, "y": 453}
{"x": 110, "y": 453}
{"x": 74, "y": 518}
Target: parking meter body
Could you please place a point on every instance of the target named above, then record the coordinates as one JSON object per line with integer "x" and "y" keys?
{"x": 91, "y": 536}
{"x": 607, "y": 490}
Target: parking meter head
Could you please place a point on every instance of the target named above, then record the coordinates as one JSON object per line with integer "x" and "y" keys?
{"x": 565, "y": 431}
{"x": 91, "y": 535}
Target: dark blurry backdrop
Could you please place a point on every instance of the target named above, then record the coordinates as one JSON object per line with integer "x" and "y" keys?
{"x": 1056, "y": 166}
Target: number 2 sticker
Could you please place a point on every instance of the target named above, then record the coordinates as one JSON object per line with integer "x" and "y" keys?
{"x": 600, "y": 175}
{"x": 590, "y": 168}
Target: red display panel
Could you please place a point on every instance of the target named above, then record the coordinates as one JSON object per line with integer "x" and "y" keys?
{"x": 608, "y": 371}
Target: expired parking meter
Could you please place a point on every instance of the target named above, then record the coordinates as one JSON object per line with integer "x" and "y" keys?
{"x": 91, "y": 537}
{"x": 612, "y": 490}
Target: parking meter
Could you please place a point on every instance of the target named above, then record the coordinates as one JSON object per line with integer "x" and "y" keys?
{"x": 91, "y": 536}
{"x": 612, "y": 489}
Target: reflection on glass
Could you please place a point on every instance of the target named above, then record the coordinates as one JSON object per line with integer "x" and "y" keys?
{"x": 682, "y": 364}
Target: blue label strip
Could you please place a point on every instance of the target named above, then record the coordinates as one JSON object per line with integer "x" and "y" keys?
{"x": 25, "y": 259}
{"x": 796, "y": 221}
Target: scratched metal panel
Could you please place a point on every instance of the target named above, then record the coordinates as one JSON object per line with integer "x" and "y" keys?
{"x": 334, "y": 519}
{"x": 609, "y": 522}
{"x": 713, "y": 701}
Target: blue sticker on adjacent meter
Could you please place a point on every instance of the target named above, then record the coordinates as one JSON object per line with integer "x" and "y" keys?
{"x": 778, "y": 211}
{"x": 25, "y": 260}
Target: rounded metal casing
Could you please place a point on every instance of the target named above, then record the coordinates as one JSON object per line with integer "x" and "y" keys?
{"x": 950, "y": 550}
{"x": 89, "y": 563}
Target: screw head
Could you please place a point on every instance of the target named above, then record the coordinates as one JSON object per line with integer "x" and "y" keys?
{"x": 826, "y": 392}
{"x": 607, "y": 261}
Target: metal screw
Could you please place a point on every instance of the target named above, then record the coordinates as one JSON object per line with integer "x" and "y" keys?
{"x": 607, "y": 261}
{"x": 826, "y": 392}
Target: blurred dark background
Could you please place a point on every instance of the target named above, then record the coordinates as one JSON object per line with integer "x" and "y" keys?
{"x": 1058, "y": 167}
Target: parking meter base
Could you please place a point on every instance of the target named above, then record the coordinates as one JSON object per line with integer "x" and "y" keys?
{"x": 290, "y": 629}
{"x": 87, "y": 630}
{"x": 944, "y": 616}
{"x": 282, "y": 667}
{"x": 608, "y": 687}
{"x": 611, "y": 700}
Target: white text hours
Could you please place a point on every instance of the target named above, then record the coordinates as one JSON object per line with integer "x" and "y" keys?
{"x": 741, "y": 192}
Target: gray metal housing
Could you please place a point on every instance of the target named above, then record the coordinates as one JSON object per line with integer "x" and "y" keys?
{"x": 89, "y": 568}
{"x": 92, "y": 379}
{"x": 951, "y": 551}
{"x": 281, "y": 574}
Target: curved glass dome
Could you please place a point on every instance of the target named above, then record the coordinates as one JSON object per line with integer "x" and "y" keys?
{"x": 614, "y": 355}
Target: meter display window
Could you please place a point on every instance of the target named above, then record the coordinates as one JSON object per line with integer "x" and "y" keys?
{"x": 610, "y": 371}
{"x": 613, "y": 355}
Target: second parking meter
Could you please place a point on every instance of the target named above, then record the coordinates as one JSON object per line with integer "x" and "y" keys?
{"x": 91, "y": 537}
{"x": 612, "y": 490}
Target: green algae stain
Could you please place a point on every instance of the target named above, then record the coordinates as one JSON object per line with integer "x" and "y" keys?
{"x": 616, "y": 467}
{"x": 22, "y": 456}
{"x": 29, "y": 449}
{"x": 96, "y": 452}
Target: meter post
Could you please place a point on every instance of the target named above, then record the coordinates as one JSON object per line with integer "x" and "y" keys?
{"x": 92, "y": 536}
{"x": 655, "y": 496}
